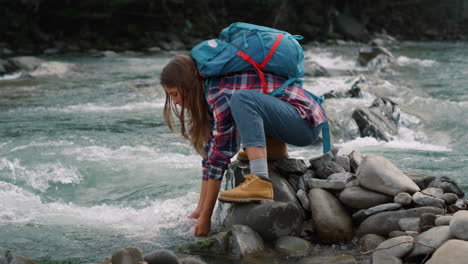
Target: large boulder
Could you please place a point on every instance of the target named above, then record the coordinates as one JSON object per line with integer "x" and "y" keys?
{"x": 244, "y": 241}
{"x": 422, "y": 180}
{"x": 360, "y": 198}
{"x": 271, "y": 220}
{"x": 453, "y": 251}
{"x": 380, "y": 120}
{"x": 459, "y": 225}
{"x": 332, "y": 221}
{"x": 379, "y": 174}
{"x": 26, "y": 63}
{"x": 396, "y": 247}
{"x": 385, "y": 222}
{"x": 282, "y": 190}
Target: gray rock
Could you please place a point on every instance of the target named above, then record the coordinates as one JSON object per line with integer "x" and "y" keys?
{"x": 292, "y": 246}
{"x": 384, "y": 259}
{"x": 294, "y": 181}
{"x": 109, "y": 54}
{"x": 317, "y": 163}
{"x": 409, "y": 224}
{"x": 380, "y": 120}
{"x": 344, "y": 177}
{"x": 244, "y": 241}
{"x": 304, "y": 199}
{"x": 303, "y": 183}
{"x": 459, "y": 225}
{"x": 192, "y": 260}
{"x": 343, "y": 161}
{"x": 452, "y": 251}
{"x": 379, "y": 174}
{"x": 403, "y": 198}
{"x": 326, "y": 184}
{"x": 283, "y": 191}
{"x": 396, "y": 233}
{"x": 367, "y": 53}
{"x": 161, "y": 256}
{"x": 447, "y": 184}
{"x": 271, "y": 220}
{"x": 449, "y": 198}
{"x": 331, "y": 220}
{"x": 359, "y": 216}
{"x": 394, "y": 247}
{"x": 426, "y": 221}
{"x": 434, "y": 192}
{"x": 213, "y": 245}
{"x": 385, "y": 222}
{"x": 369, "y": 242}
{"x": 355, "y": 159}
{"x": 7, "y": 257}
{"x": 421, "y": 180}
{"x": 313, "y": 69}
{"x": 364, "y": 213}
{"x": 443, "y": 220}
{"x": 26, "y": 63}
{"x": 381, "y": 63}
{"x": 426, "y": 200}
{"x": 353, "y": 183}
{"x": 328, "y": 168}
{"x": 132, "y": 256}
{"x": 289, "y": 166}
{"x": 432, "y": 238}
{"x": 342, "y": 259}
{"x": 361, "y": 198}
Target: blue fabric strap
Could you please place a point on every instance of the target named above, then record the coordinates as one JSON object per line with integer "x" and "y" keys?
{"x": 279, "y": 90}
{"x": 326, "y": 142}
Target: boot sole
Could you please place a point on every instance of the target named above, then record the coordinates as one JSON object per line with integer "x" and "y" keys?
{"x": 242, "y": 200}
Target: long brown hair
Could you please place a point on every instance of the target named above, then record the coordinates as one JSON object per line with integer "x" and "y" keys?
{"x": 182, "y": 73}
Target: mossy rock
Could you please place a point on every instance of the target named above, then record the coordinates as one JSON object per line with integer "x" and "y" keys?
{"x": 212, "y": 246}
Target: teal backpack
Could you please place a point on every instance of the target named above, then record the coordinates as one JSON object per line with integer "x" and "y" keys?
{"x": 243, "y": 46}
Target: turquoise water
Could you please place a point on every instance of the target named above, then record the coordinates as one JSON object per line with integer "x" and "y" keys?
{"x": 87, "y": 165}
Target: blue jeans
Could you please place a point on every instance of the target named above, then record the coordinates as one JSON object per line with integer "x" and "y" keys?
{"x": 258, "y": 115}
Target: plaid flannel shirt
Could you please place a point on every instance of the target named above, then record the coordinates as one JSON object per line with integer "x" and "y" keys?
{"x": 224, "y": 140}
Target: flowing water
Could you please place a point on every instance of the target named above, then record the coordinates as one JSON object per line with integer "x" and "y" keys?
{"x": 87, "y": 165}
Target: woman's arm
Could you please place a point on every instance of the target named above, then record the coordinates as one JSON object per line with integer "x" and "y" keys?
{"x": 203, "y": 226}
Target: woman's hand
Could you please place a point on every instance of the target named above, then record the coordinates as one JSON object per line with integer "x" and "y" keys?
{"x": 203, "y": 226}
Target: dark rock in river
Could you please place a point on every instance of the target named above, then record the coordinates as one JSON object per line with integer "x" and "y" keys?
{"x": 368, "y": 53}
{"x": 314, "y": 69}
{"x": 448, "y": 185}
{"x": 132, "y": 256}
{"x": 160, "y": 256}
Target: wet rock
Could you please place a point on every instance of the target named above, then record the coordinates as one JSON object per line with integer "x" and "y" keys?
{"x": 244, "y": 241}
{"x": 394, "y": 247}
{"x": 331, "y": 220}
{"x": 303, "y": 199}
{"x": 313, "y": 69}
{"x": 403, "y": 198}
{"x": 343, "y": 259}
{"x": 385, "y": 222}
{"x": 381, "y": 63}
{"x": 26, "y": 63}
{"x": 426, "y": 200}
{"x": 443, "y": 220}
{"x": 426, "y": 221}
{"x": 369, "y": 242}
{"x": 271, "y": 219}
{"x": 292, "y": 246}
{"x": 421, "y": 180}
{"x": 329, "y": 168}
{"x": 453, "y": 251}
{"x": 459, "y": 225}
{"x": 434, "y": 192}
{"x": 449, "y": 198}
{"x": 192, "y": 260}
{"x": 448, "y": 185}
{"x": 7, "y": 257}
{"x": 294, "y": 181}
{"x": 213, "y": 245}
{"x": 289, "y": 166}
{"x": 367, "y": 53}
{"x": 409, "y": 224}
{"x": 432, "y": 238}
{"x": 130, "y": 256}
{"x": 361, "y": 198}
{"x": 283, "y": 191}
{"x": 317, "y": 163}
{"x": 380, "y": 120}
{"x": 364, "y": 213}
{"x": 355, "y": 159}
{"x": 384, "y": 259}
{"x": 379, "y": 174}
{"x": 326, "y": 184}
{"x": 161, "y": 256}
{"x": 304, "y": 181}
{"x": 343, "y": 161}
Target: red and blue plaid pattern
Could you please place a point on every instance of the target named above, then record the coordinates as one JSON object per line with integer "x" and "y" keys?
{"x": 224, "y": 141}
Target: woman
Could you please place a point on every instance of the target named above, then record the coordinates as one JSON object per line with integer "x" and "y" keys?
{"x": 230, "y": 111}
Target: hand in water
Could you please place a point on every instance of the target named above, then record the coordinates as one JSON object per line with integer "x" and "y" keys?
{"x": 203, "y": 226}
{"x": 195, "y": 214}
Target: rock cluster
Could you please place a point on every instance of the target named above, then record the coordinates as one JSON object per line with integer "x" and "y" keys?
{"x": 339, "y": 197}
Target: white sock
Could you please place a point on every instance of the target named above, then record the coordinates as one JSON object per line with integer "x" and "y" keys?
{"x": 260, "y": 168}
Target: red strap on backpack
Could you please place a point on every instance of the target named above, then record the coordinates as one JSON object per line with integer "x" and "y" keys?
{"x": 260, "y": 66}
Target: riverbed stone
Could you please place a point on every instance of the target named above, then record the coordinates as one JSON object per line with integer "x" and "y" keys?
{"x": 318, "y": 162}
{"x": 434, "y": 192}
{"x": 192, "y": 260}
{"x": 303, "y": 199}
{"x": 422, "y": 180}
{"x": 341, "y": 259}
{"x": 314, "y": 69}
{"x": 433, "y": 237}
{"x": 161, "y": 256}
{"x": 328, "y": 168}
{"x": 448, "y": 185}
{"x": 449, "y": 198}
{"x": 396, "y": 233}
{"x": 213, "y": 245}
{"x": 244, "y": 241}
{"x": 403, "y": 198}
{"x": 283, "y": 191}
{"x": 343, "y": 161}
{"x": 409, "y": 224}
{"x": 379, "y": 174}
{"x": 426, "y": 221}
{"x": 289, "y": 166}
{"x": 341, "y": 176}
{"x": 7, "y": 256}
{"x": 364, "y": 213}
{"x": 270, "y": 219}
{"x": 385, "y": 222}
{"x": 453, "y": 251}
{"x": 360, "y": 198}
{"x": 291, "y": 246}
{"x": 425, "y": 200}
{"x": 384, "y": 259}
{"x": 443, "y": 220}
{"x": 370, "y": 242}
{"x": 132, "y": 256}
{"x": 459, "y": 225}
{"x": 394, "y": 247}
{"x": 331, "y": 219}
{"x": 367, "y": 53}
{"x": 355, "y": 159}
{"x": 26, "y": 63}
{"x": 326, "y": 184}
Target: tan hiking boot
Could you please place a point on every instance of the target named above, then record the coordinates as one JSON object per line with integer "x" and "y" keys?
{"x": 276, "y": 150}
{"x": 253, "y": 189}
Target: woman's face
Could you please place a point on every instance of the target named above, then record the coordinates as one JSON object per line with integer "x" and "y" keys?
{"x": 175, "y": 95}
